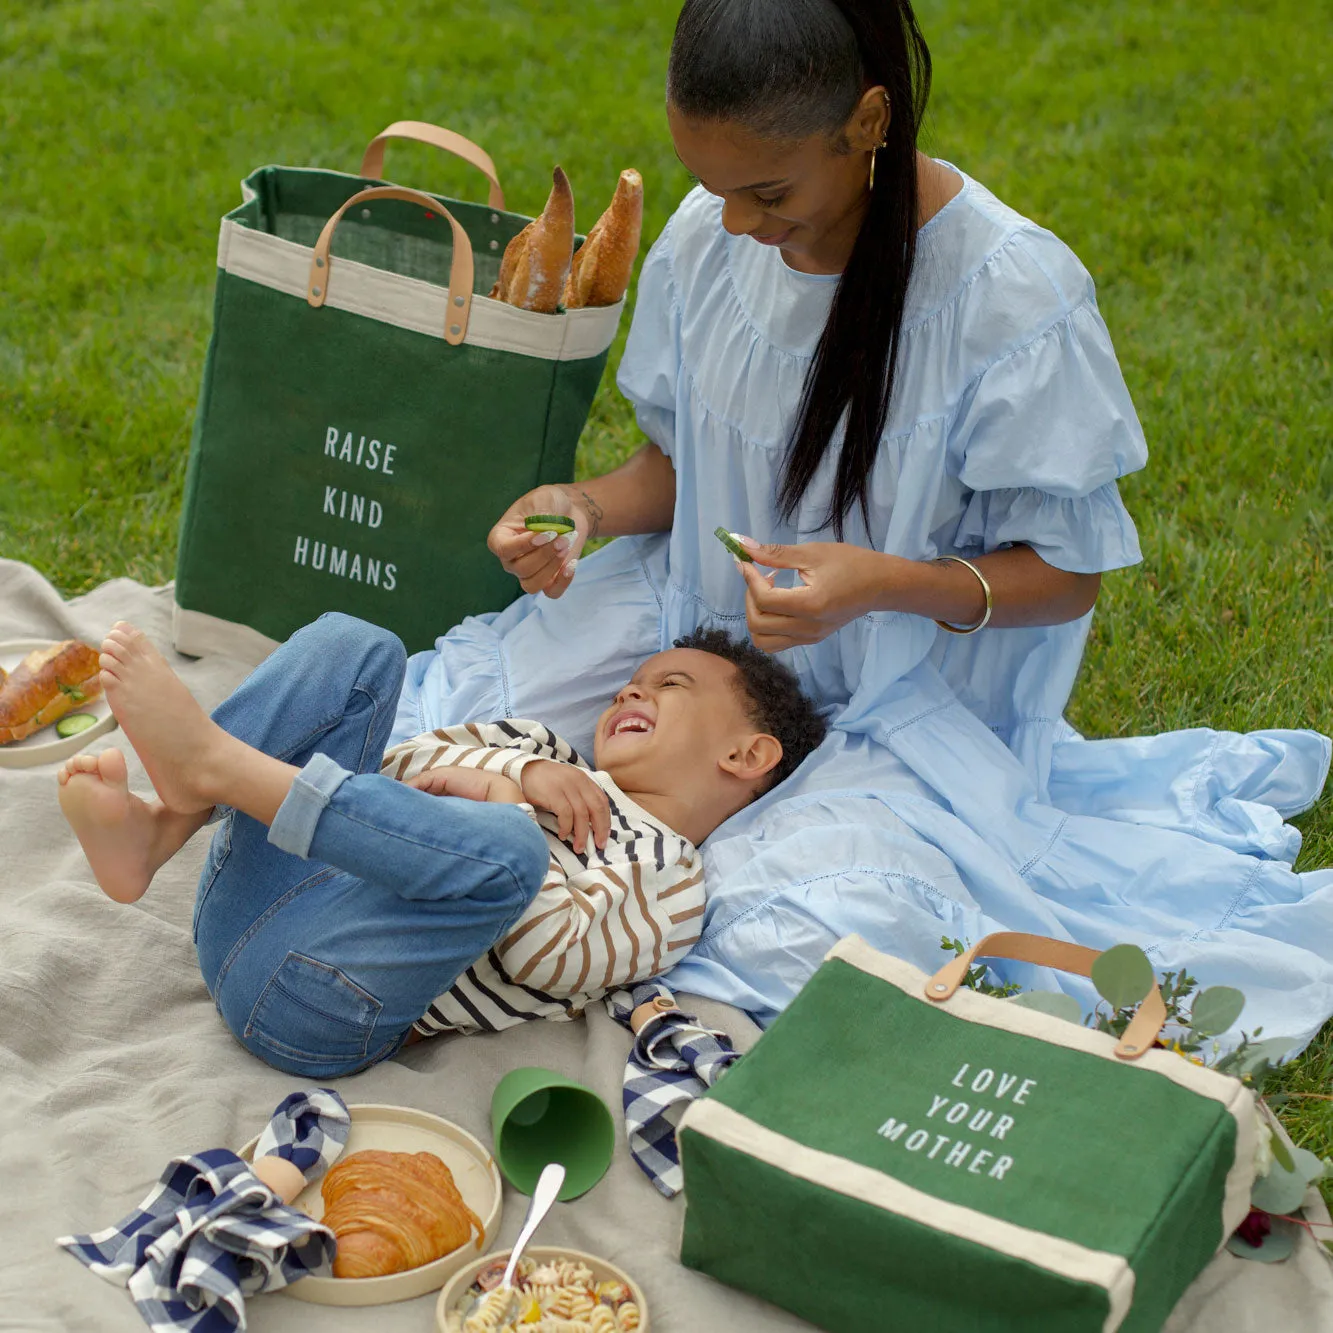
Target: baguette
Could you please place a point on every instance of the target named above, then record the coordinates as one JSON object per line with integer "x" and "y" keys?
{"x": 600, "y": 272}
{"x": 46, "y": 685}
{"x": 536, "y": 262}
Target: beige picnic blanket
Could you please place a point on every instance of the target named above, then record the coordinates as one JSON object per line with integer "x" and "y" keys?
{"x": 112, "y": 1060}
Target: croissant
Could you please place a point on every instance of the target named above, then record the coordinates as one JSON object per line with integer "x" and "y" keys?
{"x": 45, "y": 686}
{"x": 391, "y": 1211}
{"x": 536, "y": 262}
{"x": 599, "y": 274}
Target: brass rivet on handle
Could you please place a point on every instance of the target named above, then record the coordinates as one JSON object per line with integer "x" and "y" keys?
{"x": 495, "y": 217}
{"x": 314, "y": 291}
{"x": 941, "y": 986}
{"x": 458, "y": 300}
{"x": 495, "y": 245}
{"x": 454, "y": 329}
{"x": 319, "y": 261}
{"x": 1131, "y": 1049}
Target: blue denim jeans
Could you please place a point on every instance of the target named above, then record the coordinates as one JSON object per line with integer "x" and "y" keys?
{"x": 324, "y": 938}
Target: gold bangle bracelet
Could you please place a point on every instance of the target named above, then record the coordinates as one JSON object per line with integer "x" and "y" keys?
{"x": 985, "y": 588}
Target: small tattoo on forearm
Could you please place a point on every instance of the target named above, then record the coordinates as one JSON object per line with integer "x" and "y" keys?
{"x": 595, "y": 512}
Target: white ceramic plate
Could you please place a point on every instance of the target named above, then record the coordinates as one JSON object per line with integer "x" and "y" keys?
{"x": 45, "y": 747}
{"x": 402, "y": 1129}
{"x": 455, "y": 1296}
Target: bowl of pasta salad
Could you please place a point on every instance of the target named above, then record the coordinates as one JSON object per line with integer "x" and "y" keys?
{"x": 555, "y": 1286}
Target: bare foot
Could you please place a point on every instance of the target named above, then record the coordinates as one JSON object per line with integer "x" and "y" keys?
{"x": 171, "y": 734}
{"x": 125, "y": 839}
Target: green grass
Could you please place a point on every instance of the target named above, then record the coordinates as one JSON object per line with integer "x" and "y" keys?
{"x": 1182, "y": 149}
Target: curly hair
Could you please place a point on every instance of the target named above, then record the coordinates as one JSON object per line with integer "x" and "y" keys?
{"x": 773, "y": 696}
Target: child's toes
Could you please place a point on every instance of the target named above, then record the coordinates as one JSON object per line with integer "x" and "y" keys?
{"x": 125, "y": 634}
{"x": 79, "y": 763}
{"x": 111, "y": 765}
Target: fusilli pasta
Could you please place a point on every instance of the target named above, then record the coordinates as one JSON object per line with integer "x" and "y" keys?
{"x": 550, "y": 1296}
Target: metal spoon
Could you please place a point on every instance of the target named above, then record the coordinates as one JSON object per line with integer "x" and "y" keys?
{"x": 549, "y": 1184}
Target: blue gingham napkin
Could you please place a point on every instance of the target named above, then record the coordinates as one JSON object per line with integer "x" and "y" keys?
{"x": 672, "y": 1061}
{"x": 212, "y": 1233}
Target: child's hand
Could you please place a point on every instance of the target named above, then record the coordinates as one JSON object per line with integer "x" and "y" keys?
{"x": 472, "y": 784}
{"x": 572, "y": 797}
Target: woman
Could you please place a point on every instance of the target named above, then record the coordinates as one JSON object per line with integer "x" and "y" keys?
{"x": 857, "y": 354}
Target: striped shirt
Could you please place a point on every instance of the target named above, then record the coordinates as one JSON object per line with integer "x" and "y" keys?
{"x": 602, "y": 919}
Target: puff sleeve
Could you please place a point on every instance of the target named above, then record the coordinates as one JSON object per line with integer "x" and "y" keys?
{"x": 1042, "y": 436}
{"x": 650, "y": 366}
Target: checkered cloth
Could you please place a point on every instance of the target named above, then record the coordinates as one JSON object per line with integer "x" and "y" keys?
{"x": 212, "y": 1233}
{"x": 672, "y": 1061}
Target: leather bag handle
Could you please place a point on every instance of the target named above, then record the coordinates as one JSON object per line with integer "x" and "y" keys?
{"x": 460, "y": 269}
{"x": 421, "y": 131}
{"x": 1143, "y": 1029}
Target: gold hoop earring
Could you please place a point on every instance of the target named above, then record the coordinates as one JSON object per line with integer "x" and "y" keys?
{"x": 874, "y": 152}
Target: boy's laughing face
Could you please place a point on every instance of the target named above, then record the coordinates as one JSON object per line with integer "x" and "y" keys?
{"x": 680, "y": 716}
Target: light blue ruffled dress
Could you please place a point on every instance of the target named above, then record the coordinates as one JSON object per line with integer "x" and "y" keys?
{"x": 951, "y": 798}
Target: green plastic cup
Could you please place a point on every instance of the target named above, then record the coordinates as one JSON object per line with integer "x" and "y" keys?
{"x": 539, "y": 1116}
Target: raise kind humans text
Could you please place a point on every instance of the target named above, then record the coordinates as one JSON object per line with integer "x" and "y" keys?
{"x": 976, "y": 1104}
{"x": 349, "y": 506}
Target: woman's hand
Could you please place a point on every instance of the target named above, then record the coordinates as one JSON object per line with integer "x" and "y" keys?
{"x": 572, "y": 797}
{"x": 541, "y": 561}
{"x": 638, "y": 496}
{"x": 839, "y": 582}
{"x": 472, "y": 784}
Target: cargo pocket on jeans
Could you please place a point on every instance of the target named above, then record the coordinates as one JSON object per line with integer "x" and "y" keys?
{"x": 313, "y": 1014}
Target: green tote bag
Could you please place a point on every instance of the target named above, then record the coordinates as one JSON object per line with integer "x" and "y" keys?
{"x": 367, "y": 411}
{"x": 897, "y": 1153}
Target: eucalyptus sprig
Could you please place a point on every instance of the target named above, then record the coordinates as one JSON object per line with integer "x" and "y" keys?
{"x": 976, "y": 976}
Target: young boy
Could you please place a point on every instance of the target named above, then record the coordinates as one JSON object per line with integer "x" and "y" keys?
{"x": 345, "y": 908}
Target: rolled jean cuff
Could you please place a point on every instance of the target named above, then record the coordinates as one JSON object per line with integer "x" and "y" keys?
{"x": 293, "y": 827}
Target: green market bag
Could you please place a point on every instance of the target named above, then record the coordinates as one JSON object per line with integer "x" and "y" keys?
{"x": 367, "y": 412}
{"x": 897, "y": 1153}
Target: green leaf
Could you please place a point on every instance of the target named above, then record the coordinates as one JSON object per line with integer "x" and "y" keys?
{"x": 1279, "y": 1191}
{"x": 1281, "y": 1153}
{"x": 1123, "y": 975}
{"x": 1215, "y": 1010}
{"x": 72, "y": 691}
{"x": 1307, "y": 1165}
{"x": 1055, "y": 1003}
{"x": 1273, "y": 1249}
{"x": 1260, "y": 1053}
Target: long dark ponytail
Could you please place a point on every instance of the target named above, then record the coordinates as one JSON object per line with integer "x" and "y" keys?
{"x": 791, "y": 68}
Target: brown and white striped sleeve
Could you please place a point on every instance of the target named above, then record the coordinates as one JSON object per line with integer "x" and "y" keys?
{"x": 605, "y": 926}
{"x": 500, "y": 747}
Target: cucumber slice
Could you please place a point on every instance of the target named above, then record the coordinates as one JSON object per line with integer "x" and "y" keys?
{"x": 732, "y": 545}
{"x": 549, "y": 523}
{"x": 73, "y": 723}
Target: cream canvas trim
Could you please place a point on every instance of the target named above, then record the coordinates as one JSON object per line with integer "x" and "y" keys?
{"x": 410, "y": 303}
{"x": 972, "y": 1007}
{"x": 1054, "y": 1254}
{"x": 196, "y": 634}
